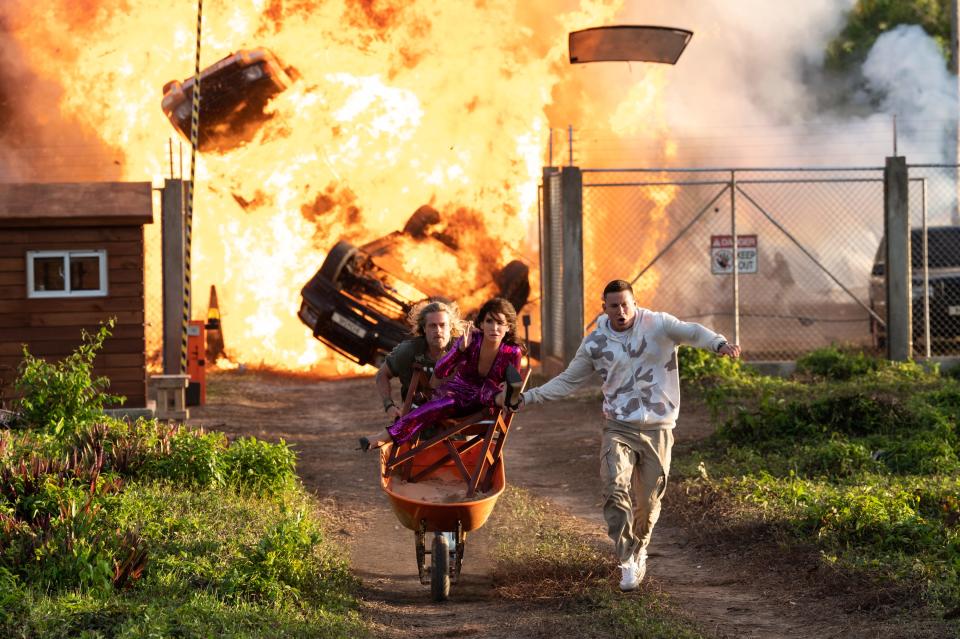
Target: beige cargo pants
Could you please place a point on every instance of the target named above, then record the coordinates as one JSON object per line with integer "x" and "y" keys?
{"x": 634, "y": 465}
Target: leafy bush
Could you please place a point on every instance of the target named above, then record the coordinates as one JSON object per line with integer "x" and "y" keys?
{"x": 834, "y": 363}
{"x": 63, "y": 397}
{"x": 81, "y": 514}
{"x": 202, "y": 545}
{"x": 855, "y": 454}
{"x": 278, "y": 568}
{"x": 251, "y": 464}
{"x": 192, "y": 458}
{"x": 837, "y": 457}
{"x": 12, "y": 598}
{"x": 699, "y": 364}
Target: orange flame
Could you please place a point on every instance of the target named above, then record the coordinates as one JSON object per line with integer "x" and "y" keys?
{"x": 400, "y": 103}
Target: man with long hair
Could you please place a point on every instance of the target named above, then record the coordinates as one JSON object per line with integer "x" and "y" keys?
{"x": 480, "y": 370}
{"x": 434, "y": 323}
{"x": 635, "y": 352}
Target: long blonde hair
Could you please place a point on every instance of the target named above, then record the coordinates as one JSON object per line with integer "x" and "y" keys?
{"x": 417, "y": 318}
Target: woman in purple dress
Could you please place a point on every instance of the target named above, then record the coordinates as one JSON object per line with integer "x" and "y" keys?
{"x": 475, "y": 370}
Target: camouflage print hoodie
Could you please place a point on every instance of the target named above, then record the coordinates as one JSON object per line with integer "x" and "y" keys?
{"x": 641, "y": 385}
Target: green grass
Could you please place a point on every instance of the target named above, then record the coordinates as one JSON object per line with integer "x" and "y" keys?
{"x": 855, "y": 455}
{"x": 222, "y": 560}
{"x": 112, "y": 529}
{"x": 541, "y": 557}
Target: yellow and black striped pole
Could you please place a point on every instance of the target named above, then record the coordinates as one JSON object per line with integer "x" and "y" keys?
{"x": 188, "y": 221}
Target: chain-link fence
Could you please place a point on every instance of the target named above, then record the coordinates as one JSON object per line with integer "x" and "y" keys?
{"x": 935, "y": 259}
{"x": 807, "y": 239}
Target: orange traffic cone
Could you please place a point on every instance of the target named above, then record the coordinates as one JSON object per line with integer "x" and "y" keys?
{"x": 214, "y": 330}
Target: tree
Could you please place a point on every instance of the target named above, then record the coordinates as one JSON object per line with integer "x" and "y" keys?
{"x": 870, "y": 18}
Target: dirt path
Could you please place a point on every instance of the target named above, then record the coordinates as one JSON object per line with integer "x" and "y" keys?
{"x": 552, "y": 452}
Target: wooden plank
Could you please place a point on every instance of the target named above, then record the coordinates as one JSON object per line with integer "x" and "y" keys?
{"x": 60, "y": 305}
{"x": 117, "y": 203}
{"x": 455, "y": 456}
{"x": 460, "y": 449}
{"x": 16, "y": 264}
{"x": 107, "y": 360}
{"x": 114, "y": 263}
{"x": 123, "y": 262}
{"x": 99, "y": 234}
{"x": 71, "y": 305}
{"x": 114, "y": 290}
{"x": 125, "y": 276}
{"x": 70, "y": 319}
{"x": 132, "y": 385}
{"x": 114, "y": 373}
{"x": 482, "y": 460}
{"x": 67, "y": 244}
{"x": 15, "y": 292}
{"x": 61, "y": 348}
{"x": 31, "y": 334}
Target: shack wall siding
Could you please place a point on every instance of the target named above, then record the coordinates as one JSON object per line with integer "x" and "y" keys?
{"x": 51, "y": 327}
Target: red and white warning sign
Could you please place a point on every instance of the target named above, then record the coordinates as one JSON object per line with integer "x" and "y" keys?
{"x": 721, "y": 254}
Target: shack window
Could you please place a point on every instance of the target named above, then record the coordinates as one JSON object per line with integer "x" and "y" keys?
{"x": 66, "y": 273}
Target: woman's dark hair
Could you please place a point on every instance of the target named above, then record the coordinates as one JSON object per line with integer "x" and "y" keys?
{"x": 505, "y": 308}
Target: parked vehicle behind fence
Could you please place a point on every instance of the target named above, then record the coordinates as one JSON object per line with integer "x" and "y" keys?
{"x": 943, "y": 266}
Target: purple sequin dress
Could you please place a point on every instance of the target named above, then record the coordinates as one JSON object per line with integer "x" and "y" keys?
{"x": 465, "y": 393}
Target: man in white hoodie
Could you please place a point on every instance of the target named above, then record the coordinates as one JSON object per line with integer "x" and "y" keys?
{"x": 635, "y": 352}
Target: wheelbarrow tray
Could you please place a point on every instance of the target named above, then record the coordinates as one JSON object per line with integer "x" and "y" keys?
{"x": 441, "y": 517}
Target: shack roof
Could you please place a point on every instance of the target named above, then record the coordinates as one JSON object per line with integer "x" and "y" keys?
{"x": 76, "y": 204}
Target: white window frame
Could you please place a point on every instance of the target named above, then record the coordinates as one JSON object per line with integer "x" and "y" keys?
{"x": 101, "y": 256}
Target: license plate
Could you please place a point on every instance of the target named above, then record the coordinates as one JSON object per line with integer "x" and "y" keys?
{"x": 953, "y": 310}
{"x": 348, "y": 324}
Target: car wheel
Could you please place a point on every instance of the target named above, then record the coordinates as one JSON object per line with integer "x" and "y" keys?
{"x": 337, "y": 259}
{"x": 514, "y": 283}
{"x": 421, "y": 220}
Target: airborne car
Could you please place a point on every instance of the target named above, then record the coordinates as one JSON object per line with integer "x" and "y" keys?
{"x": 358, "y": 301}
{"x": 233, "y": 94}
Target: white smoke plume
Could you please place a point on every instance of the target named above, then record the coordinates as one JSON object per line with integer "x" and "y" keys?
{"x": 906, "y": 68}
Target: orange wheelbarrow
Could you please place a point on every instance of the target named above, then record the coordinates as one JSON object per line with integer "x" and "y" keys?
{"x": 466, "y": 454}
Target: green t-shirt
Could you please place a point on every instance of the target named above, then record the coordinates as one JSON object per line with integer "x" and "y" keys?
{"x": 401, "y": 359}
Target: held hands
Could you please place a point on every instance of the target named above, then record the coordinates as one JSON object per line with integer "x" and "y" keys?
{"x": 730, "y": 350}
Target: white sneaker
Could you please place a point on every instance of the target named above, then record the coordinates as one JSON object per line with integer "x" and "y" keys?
{"x": 641, "y": 563}
{"x": 630, "y": 579}
{"x": 633, "y": 571}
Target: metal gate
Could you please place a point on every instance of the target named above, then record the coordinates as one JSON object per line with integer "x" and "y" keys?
{"x": 806, "y": 238}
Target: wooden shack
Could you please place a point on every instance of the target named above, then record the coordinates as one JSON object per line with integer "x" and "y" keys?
{"x": 72, "y": 256}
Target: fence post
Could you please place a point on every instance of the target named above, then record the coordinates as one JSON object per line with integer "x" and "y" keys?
{"x": 736, "y": 257}
{"x": 561, "y": 267}
{"x": 551, "y": 274}
{"x": 896, "y": 224}
{"x": 172, "y": 242}
{"x": 572, "y": 187}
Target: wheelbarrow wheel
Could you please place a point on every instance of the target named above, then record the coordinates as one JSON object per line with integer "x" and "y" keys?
{"x": 440, "y": 568}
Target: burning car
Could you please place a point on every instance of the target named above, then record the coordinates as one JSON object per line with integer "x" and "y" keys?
{"x": 233, "y": 94}
{"x": 358, "y": 301}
